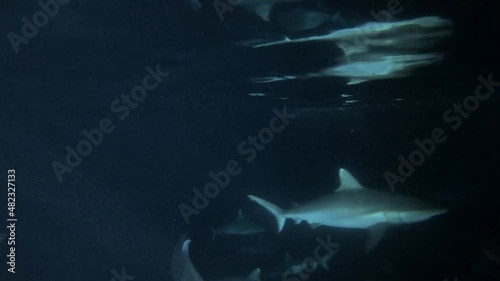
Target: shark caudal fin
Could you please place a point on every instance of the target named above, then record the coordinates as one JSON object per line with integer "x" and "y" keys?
{"x": 273, "y": 209}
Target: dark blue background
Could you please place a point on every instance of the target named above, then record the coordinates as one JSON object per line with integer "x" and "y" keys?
{"x": 119, "y": 207}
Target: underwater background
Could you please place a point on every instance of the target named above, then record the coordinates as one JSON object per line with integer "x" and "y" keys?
{"x": 119, "y": 207}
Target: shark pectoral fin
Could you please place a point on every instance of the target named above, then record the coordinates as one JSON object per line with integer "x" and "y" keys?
{"x": 347, "y": 181}
{"x": 255, "y": 275}
{"x": 376, "y": 233}
{"x": 276, "y": 211}
{"x": 263, "y": 10}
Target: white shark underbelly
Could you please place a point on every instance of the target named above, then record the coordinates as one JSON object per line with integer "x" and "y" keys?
{"x": 362, "y": 221}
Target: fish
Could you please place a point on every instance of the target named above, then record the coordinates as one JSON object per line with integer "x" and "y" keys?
{"x": 182, "y": 267}
{"x": 414, "y": 33}
{"x": 375, "y": 67}
{"x": 184, "y": 270}
{"x": 239, "y": 226}
{"x": 375, "y": 51}
{"x": 355, "y": 207}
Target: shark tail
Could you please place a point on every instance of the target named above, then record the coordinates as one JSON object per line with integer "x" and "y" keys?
{"x": 276, "y": 211}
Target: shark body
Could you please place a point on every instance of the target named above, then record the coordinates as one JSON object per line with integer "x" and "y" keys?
{"x": 184, "y": 270}
{"x": 353, "y": 206}
{"x": 182, "y": 267}
{"x": 375, "y": 51}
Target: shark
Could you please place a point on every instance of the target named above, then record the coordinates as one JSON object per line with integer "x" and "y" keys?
{"x": 417, "y": 33}
{"x": 182, "y": 267}
{"x": 239, "y": 226}
{"x": 184, "y": 270}
{"x": 369, "y": 68}
{"x": 375, "y": 51}
{"x": 356, "y": 207}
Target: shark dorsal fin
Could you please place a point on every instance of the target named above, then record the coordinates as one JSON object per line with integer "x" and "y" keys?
{"x": 347, "y": 181}
{"x": 264, "y": 10}
{"x": 185, "y": 247}
{"x": 240, "y": 215}
{"x": 254, "y": 275}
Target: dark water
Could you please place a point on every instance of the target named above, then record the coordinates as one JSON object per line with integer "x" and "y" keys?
{"x": 118, "y": 208}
